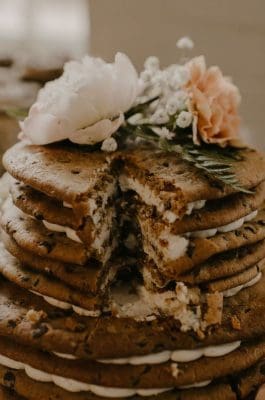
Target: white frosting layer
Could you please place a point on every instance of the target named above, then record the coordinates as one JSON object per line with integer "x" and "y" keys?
{"x": 67, "y": 356}
{"x": 150, "y": 198}
{"x": 223, "y": 229}
{"x": 177, "y": 355}
{"x": 233, "y": 291}
{"x": 101, "y": 235}
{"x": 67, "y": 205}
{"x": 70, "y": 233}
{"x": 74, "y": 386}
{"x": 171, "y": 246}
{"x": 196, "y": 385}
{"x": 176, "y": 246}
{"x": 95, "y": 210}
{"x": 67, "y": 306}
{"x": 195, "y": 205}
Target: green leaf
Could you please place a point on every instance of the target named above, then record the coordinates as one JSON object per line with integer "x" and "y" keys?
{"x": 216, "y": 162}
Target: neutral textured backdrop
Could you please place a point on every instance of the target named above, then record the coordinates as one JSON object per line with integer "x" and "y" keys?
{"x": 231, "y": 33}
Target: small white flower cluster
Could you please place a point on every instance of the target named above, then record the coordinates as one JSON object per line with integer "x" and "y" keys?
{"x": 109, "y": 145}
{"x": 185, "y": 43}
{"x": 172, "y": 103}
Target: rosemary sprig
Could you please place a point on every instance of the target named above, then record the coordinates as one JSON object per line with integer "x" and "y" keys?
{"x": 216, "y": 162}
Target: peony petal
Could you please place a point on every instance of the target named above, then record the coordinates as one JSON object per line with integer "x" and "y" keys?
{"x": 98, "y": 132}
{"x": 42, "y": 128}
{"x": 216, "y": 100}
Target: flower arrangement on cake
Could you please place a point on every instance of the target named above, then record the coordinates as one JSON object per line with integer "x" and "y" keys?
{"x": 185, "y": 107}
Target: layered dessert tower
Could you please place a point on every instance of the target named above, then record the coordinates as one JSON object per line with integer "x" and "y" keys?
{"x": 132, "y": 273}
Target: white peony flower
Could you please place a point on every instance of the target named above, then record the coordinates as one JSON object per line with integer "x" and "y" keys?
{"x": 85, "y": 105}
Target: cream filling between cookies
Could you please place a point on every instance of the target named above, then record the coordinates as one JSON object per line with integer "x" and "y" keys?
{"x": 67, "y": 306}
{"x": 172, "y": 247}
{"x": 70, "y": 233}
{"x": 233, "y": 291}
{"x": 177, "y": 355}
{"x": 75, "y": 386}
{"x": 95, "y": 210}
{"x": 224, "y": 228}
{"x": 150, "y": 198}
{"x": 100, "y": 237}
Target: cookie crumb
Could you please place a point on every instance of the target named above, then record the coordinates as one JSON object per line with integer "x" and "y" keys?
{"x": 214, "y": 311}
{"x": 175, "y": 370}
{"x": 34, "y": 316}
{"x": 201, "y": 334}
{"x": 235, "y": 323}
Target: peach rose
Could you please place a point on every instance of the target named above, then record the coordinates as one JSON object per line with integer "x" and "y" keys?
{"x": 214, "y": 101}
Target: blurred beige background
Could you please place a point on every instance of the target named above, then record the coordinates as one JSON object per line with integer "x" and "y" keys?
{"x": 231, "y": 33}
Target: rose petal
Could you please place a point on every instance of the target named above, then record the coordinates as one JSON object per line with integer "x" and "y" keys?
{"x": 215, "y": 100}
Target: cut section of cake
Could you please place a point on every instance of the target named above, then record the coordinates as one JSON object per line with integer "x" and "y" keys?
{"x": 214, "y": 240}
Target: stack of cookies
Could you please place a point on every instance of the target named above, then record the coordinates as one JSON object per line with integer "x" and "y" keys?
{"x": 192, "y": 230}
{"x": 130, "y": 275}
{"x": 61, "y": 221}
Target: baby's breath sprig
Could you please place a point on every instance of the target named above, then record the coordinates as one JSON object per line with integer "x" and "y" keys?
{"x": 164, "y": 115}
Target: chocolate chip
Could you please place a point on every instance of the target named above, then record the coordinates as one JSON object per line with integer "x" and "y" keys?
{"x": 262, "y": 369}
{"x": 36, "y": 282}
{"x": 141, "y": 344}
{"x": 40, "y": 331}
{"x": 80, "y": 327}
{"x": 38, "y": 216}
{"x": 250, "y": 228}
{"x": 87, "y": 349}
{"x": 47, "y": 245}
{"x": 190, "y": 249}
{"x": 57, "y": 314}
{"x": 11, "y": 323}
{"x": 9, "y": 380}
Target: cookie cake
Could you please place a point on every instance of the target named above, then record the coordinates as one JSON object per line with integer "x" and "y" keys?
{"x": 133, "y": 240}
